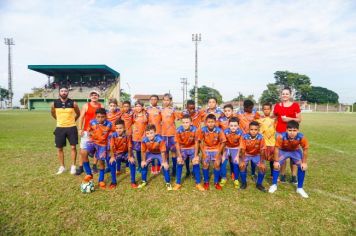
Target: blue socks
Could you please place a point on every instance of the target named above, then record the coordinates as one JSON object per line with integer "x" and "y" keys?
{"x": 101, "y": 175}
{"x": 113, "y": 172}
{"x": 223, "y": 169}
{"x": 174, "y": 161}
{"x": 179, "y": 174}
{"x": 187, "y": 162}
{"x": 275, "y": 176}
{"x": 144, "y": 174}
{"x": 253, "y": 168}
{"x": 301, "y": 175}
{"x": 206, "y": 175}
{"x": 132, "y": 172}
{"x": 118, "y": 165}
{"x": 260, "y": 178}
{"x": 216, "y": 176}
{"x": 87, "y": 168}
{"x": 167, "y": 177}
{"x": 196, "y": 171}
{"x": 138, "y": 156}
{"x": 236, "y": 170}
{"x": 243, "y": 176}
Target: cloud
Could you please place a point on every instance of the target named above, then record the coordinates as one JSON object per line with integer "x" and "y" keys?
{"x": 243, "y": 42}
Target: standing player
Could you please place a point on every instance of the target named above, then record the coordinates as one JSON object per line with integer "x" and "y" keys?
{"x": 154, "y": 148}
{"x": 66, "y": 112}
{"x": 212, "y": 108}
{"x": 196, "y": 114}
{"x": 267, "y": 129}
{"x": 252, "y": 149}
{"x": 140, "y": 119}
{"x": 187, "y": 145}
{"x": 212, "y": 142}
{"x": 169, "y": 116}
{"x": 121, "y": 151}
{"x": 98, "y": 131}
{"x": 289, "y": 145}
{"x": 246, "y": 116}
{"x": 86, "y": 115}
{"x": 231, "y": 154}
{"x": 155, "y": 118}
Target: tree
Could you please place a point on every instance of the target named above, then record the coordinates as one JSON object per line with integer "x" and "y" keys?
{"x": 300, "y": 84}
{"x": 204, "y": 93}
{"x": 321, "y": 95}
{"x": 241, "y": 97}
{"x": 124, "y": 96}
{"x": 271, "y": 94}
{"x": 4, "y": 94}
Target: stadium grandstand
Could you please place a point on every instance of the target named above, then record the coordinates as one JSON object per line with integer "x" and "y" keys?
{"x": 80, "y": 79}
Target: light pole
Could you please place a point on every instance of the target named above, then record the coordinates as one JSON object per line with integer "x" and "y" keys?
{"x": 184, "y": 82}
{"x": 196, "y": 38}
{"x": 9, "y": 42}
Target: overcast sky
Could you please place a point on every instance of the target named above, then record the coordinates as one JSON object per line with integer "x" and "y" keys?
{"x": 149, "y": 42}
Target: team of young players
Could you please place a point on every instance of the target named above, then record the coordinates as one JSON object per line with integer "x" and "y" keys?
{"x": 225, "y": 137}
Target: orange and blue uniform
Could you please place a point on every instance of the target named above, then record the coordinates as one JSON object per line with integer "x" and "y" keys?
{"x": 113, "y": 116}
{"x": 140, "y": 121}
{"x": 98, "y": 136}
{"x": 155, "y": 117}
{"x": 197, "y": 117}
{"x": 127, "y": 117}
{"x": 169, "y": 116}
{"x": 246, "y": 118}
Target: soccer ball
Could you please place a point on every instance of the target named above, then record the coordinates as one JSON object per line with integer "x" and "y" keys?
{"x": 87, "y": 187}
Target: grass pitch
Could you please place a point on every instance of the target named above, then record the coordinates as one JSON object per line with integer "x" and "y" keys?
{"x": 33, "y": 200}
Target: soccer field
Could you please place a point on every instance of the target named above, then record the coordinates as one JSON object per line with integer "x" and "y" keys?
{"x": 35, "y": 201}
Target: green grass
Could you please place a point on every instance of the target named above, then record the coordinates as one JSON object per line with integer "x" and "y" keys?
{"x": 35, "y": 201}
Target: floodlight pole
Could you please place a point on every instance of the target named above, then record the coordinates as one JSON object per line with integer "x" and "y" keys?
{"x": 196, "y": 38}
{"x": 184, "y": 82}
{"x": 9, "y": 42}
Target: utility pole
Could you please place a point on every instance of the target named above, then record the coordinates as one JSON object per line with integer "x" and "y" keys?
{"x": 9, "y": 42}
{"x": 196, "y": 38}
{"x": 184, "y": 82}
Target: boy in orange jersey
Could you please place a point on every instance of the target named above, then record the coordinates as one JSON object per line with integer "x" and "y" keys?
{"x": 212, "y": 142}
{"x": 99, "y": 130}
{"x": 169, "y": 116}
{"x": 252, "y": 148}
{"x": 196, "y": 114}
{"x": 155, "y": 118}
{"x": 154, "y": 148}
{"x": 212, "y": 108}
{"x": 268, "y": 130}
{"x": 291, "y": 144}
{"x": 187, "y": 145}
{"x": 233, "y": 136}
{"x": 121, "y": 151}
{"x": 127, "y": 117}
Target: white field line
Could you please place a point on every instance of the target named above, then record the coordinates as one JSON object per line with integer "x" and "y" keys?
{"x": 335, "y": 196}
{"x": 328, "y": 147}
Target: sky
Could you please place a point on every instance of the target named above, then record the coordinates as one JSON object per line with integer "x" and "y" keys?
{"x": 150, "y": 42}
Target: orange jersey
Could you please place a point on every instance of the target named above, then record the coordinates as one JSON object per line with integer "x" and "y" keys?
{"x": 113, "y": 117}
{"x": 127, "y": 117}
{"x": 197, "y": 117}
{"x": 246, "y": 118}
{"x": 139, "y": 126}
{"x": 285, "y": 143}
{"x": 120, "y": 144}
{"x": 252, "y": 146}
{"x": 155, "y": 117}
{"x": 169, "y": 116}
{"x": 186, "y": 139}
{"x": 223, "y": 122}
{"x": 157, "y": 145}
{"x": 233, "y": 138}
{"x": 99, "y": 133}
{"x": 212, "y": 139}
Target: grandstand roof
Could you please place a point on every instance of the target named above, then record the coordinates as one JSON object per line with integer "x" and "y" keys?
{"x": 82, "y": 70}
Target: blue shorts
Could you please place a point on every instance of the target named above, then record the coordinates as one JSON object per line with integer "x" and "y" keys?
{"x": 100, "y": 152}
{"x": 295, "y": 156}
{"x": 153, "y": 156}
{"x": 187, "y": 153}
{"x": 210, "y": 156}
{"x": 231, "y": 153}
{"x": 170, "y": 143}
{"x": 136, "y": 146}
{"x": 255, "y": 159}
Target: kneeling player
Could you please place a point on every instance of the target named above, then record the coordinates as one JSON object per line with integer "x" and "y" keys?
{"x": 289, "y": 145}
{"x": 212, "y": 143}
{"x": 99, "y": 130}
{"x": 231, "y": 154}
{"x": 252, "y": 149}
{"x": 121, "y": 151}
{"x": 153, "y": 148}
{"x": 187, "y": 149}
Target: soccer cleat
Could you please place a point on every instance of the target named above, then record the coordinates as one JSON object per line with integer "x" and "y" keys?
{"x": 60, "y": 170}
{"x": 169, "y": 186}
{"x": 112, "y": 186}
{"x": 232, "y": 176}
{"x": 95, "y": 169}
{"x": 283, "y": 178}
{"x": 273, "y": 188}
{"x": 142, "y": 185}
{"x": 72, "y": 170}
{"x": 79, "y": 171}
{"x": 199, "y": 187}
{"x": 236, "y": 183}
{"x": 177, "y": 187}
{"x": 261, "y": 188}
{"x": 218, "y": 186}
{"x": 206, "y": 186}
{"x": 302, "y": 193}
{"x": 223, "y": 182}
{"x": 294, "y": 180}
{"x": 102, "y": 185}
{"x": 87, "y": 178}
{"x": 134, "y": 185}
{"x": 243, "y": 186}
